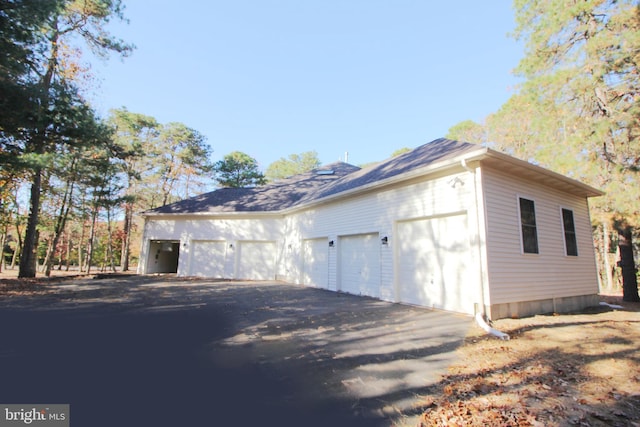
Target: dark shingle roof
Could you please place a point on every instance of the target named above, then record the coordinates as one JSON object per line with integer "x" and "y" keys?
{"x": 268, "y": 198}
{"x": 420, "y": 157}
{"x": 311, "y": 186}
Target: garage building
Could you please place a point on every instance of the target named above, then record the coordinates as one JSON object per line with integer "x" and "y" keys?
{"x": 448, "y": 225}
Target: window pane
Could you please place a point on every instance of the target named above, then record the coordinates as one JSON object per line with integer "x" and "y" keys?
{"x": 529, "y": 240}
{"x": 527, "y": 212}
{"x": 571, "y": 244}
{"x": 528, "y": 225}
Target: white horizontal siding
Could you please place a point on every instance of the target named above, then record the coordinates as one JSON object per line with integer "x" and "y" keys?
{"x": 378, "y": 213}
{"x": 515, "y": 276}
{"x": 229, "y": 230}
{"x": 214, "y": 229}
{"x": 315, "y": 263}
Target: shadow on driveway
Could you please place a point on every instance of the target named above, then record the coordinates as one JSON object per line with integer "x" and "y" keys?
{"x": 165, "y": 351}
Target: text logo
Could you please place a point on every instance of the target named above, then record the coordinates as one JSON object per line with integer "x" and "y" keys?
{"x": 34, "y": 415}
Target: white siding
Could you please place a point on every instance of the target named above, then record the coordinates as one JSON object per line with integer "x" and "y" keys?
{"x": 515, "y": 276}
{"x": 485, "y": 254}
{"x": 191, "y": 229}
{"x": 315, "y": 260}
{"x": 379, "y": 212}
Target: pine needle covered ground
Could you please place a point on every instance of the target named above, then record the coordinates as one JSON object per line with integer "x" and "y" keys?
{"x": 556, "y": 370}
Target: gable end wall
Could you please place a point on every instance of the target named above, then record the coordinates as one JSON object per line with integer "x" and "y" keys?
{"x": 548, "y": 281}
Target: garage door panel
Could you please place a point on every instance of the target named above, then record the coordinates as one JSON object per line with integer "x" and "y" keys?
{"x": 360, "y": 264}
{"x": 208, "y": 258}
{"x": 432, "y": 262}
{"x": 256, "y": 260}
{"x": 315, "y": 268}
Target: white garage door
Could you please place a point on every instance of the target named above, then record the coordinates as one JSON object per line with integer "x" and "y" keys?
{"x": 256, "y": 260}
{"x": 315, "y": 267}
{"x": 432, "y": 263}
{"x": 360, "y": 264}
{"x": 207, "y": 258}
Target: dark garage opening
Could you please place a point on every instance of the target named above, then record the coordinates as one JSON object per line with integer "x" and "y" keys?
{"x": 163, "y": 256}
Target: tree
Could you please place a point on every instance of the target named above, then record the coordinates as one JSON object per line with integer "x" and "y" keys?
{"x": 627, "y": 262}
{"x": 238, "y": 170}
{"x": 582, "y": 68}
{"x": 20, "y": 24}
{"x": 183, "y": 157}
{"x": 578, "y": 109}
{"x": 136, "y": 135}
{"x": 52, "y": 113}
{"x": 400, "y": 151}
{"x": 91, "y": 158}
{"x": 163, "y": 163}
{"x": 293, "y": 165}
{"x": 468, "y": 131}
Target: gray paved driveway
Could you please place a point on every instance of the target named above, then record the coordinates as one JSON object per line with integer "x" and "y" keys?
{"x": 164, "y": 351}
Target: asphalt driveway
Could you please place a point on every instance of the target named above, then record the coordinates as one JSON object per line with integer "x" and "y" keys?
{"x": 165, "y": 351}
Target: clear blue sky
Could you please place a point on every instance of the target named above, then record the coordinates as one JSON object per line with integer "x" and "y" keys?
{"x": 276, "y": 77}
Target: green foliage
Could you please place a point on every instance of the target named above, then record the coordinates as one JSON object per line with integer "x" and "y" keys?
{"x": 293, "y": 165}
{"x": 42, "y": 112}
{"x": 578, "y": 110}
{"x": 467, "y": 131}
{"x": 79, "y": 167}
{"x": 165, "y": 162}
{"x": 182, "y": 157}
{"x": 582, "y": 74}
{"x": 400, "y": 151}
{"x": 238, "y": 170}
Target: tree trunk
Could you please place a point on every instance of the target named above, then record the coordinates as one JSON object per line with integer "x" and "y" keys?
{"x": 48, "y": 254}
{"x": 61, "y": 221}
{"x": 80, "y": 247}
{"x": 29, "y": 256}
{"x": 627, "y": 263}
{"x": 126, "y": 241}
{"x": 16, "y": 252}
{"x": 109, "y": 251}
{"x": 3, "y": 240}
{"x": 68, "y": 260}
{"x": 92, "y": 236}
{"x": 606, "y": 242}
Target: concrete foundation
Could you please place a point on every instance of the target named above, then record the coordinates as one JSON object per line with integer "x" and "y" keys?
{"x": 545, "y": 306}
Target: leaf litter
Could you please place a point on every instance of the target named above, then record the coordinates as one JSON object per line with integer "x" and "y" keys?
{"x": 557, "y": 370}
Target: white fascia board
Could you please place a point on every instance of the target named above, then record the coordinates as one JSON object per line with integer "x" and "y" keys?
{"x": 591, "y": 191}
{"x": 212, "y": 215}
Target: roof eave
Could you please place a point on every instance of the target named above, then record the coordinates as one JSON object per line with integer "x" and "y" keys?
{"x": 578, "y": 187}
{"x": 218, "y": 215}
{"x": 482, "y": 153}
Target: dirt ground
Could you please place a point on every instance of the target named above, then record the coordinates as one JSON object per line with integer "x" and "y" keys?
{"x": 578, "y": 369}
